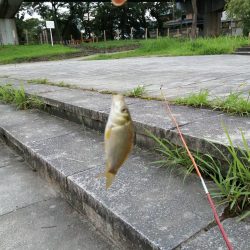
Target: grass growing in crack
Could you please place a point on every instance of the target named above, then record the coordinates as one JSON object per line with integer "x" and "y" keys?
{"x": 47, "y": 82}
{"x": 10, "y": 95}
{"x": 196, "y": 100}
{"x": 138, "y": 91}
{"x": 39, "y": 81}
{"x": 234, "y": 103}
{"x": 232, "y": 188}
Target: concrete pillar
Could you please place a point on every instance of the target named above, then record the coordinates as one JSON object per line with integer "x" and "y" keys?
{"x": 212, "y": 23}
{"x": 8, "y": 32}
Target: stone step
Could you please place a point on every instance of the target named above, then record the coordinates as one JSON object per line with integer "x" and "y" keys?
{"x": 243, "y": 49}
{"x": 201, "y": 127}
{"x": 246, "y": 53}
{"x": 147, "y": 207}
{"x": 33, "y": 215}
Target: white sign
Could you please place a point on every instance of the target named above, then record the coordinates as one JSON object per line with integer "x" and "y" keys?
{"x": 50, "y": 24}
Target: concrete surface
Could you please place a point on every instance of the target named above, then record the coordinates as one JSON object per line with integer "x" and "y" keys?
{"x": 238, "y": 235}
{"x": 146, "y": 208}
{"x": 34, "y": 216}
{"x": 179, "y": 76}
{"x": 200, "y": 126}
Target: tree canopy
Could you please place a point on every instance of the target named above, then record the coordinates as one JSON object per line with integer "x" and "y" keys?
{"x": 240, "y": 9}
{"x": 73, "y": 18}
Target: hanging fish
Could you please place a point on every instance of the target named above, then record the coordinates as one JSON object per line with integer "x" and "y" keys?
{"x": 118, "y": 138}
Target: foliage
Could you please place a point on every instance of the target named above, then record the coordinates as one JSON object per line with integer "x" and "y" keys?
{"x": 93, "y": 18}
{"x": 138, "y": 91}
{"x": 232, "y": 188}
{"x": 111, "y": 44}
{"x": 47, "y": 82}
{"x": 181, "y": 47}
{"x": 240, "y": 10}
{"x": 196, "y": 100}
{"x": 234, "y": 103}
{"x": 32, "y": 26}
{"x": 8, "y": 94}
{"x": 11, "y": 54}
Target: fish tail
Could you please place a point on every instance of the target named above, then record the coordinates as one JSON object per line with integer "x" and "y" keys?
{"x": 109, "y": 179}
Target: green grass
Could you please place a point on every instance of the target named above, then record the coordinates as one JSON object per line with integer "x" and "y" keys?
{"x": 138, "y": 91}
{"x": 180, "y": 47}
{"x": 21, "y": 53}
{"x": 234, "y": 103}
{"x": 10, "y": 95}
{"x": 232, "y": 188}
{"x": 47, "y": 82}
{"x": 111, "y": 44}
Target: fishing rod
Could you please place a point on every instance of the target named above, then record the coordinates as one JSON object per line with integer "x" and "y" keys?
{"x": 210, "y": 200}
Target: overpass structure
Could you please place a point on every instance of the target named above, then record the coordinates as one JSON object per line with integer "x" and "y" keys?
{"x": 210, "y": 10}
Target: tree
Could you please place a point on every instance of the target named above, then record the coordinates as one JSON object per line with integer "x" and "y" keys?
{"x": 194, "y": 22}
{"x": 240, "y": 9}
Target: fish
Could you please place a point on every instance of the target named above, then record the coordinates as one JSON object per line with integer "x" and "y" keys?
{"x": 118, "y": 138}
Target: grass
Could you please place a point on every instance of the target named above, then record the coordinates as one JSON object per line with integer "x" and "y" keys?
{"x": 234, "y": 103}
{"x": 138, "y": 91}
{"x": 21, "y": 53}
{"x": 233, "y": 188}
{"x": 180, "y": 47}
{"x": 10, "y": 95}
{"x": 47, "y": 82}
{"x": 111, "y": 44}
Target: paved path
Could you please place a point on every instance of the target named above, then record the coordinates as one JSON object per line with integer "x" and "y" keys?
{"x": 179, "y": 75}
{"x": 34, "y": 216}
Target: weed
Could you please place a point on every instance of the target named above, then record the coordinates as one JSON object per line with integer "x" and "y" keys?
{"x": 39, "y": 81}
{"x": 47, "y": 82}
{"x": 138, "y": 91}
{"x": 196, "y": 100}
{"x": 233, "y": 187}
{"x": 180, "y": 47}
{"x": 234, "y": 103}
{"x": 8, "y": 94}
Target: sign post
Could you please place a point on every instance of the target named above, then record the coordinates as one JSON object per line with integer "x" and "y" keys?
{"x": 50, "y": 25}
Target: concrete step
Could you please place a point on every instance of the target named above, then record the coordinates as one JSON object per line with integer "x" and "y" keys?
{"x": 147, "y": 207}
{"x": 243, "y": 49}
{"x": 135, "y": 213}
{"x": 201, "y": 127}
{"x": 33, "y": 215}
{"x": 246, "y": 53}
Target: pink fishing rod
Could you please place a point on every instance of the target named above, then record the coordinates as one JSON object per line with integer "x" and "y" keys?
{"x": 217, "y": 219}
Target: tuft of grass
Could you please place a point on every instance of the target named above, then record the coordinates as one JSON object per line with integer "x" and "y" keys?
{"x": 10, "y": 95}
{"x": 196, "y": 100}
{"x": 138, "y": 91}
{"x": 234, "y": 103}
{"x": 111, "y": 44}
{"x": 22, "y": 53}
{"x": 181, "y": 47}
{"x": 47, "y": 82}
{"x": 39, "y": 81}
{"x": 232, "y": 188}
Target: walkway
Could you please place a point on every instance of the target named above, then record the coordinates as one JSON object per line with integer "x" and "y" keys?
{"x": 179, "y": 75}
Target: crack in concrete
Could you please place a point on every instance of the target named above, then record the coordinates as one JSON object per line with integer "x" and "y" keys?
{"x": 26, "y": 206}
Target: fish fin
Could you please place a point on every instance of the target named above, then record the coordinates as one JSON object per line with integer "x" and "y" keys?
{"x": 108, "y": 133}
{"x": 109, "y": 179}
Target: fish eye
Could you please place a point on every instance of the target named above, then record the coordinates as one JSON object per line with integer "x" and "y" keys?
{"x": 124, "y": 110}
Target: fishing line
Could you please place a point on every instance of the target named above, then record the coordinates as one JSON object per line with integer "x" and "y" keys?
{"x": 216, "y": 216}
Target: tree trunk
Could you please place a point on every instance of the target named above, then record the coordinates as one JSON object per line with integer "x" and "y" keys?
{"x": 54, "y": 12}
{"x": 194, "y": 22}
